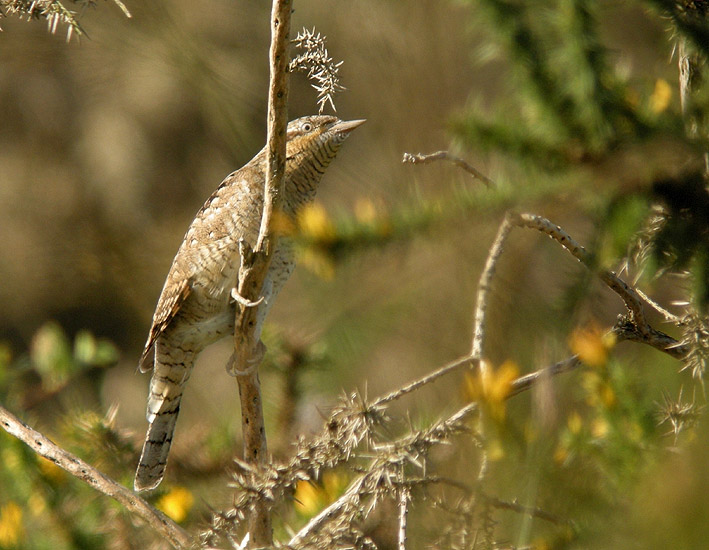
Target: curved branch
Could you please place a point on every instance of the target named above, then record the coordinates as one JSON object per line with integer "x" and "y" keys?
{"x": 178, "y": 537}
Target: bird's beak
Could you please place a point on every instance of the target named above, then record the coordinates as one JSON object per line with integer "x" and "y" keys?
{"x": 346, "y": 126}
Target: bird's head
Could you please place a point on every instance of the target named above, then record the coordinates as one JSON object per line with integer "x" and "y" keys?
{"x": 321, "y": 135}
{"x": 312, "y": 143}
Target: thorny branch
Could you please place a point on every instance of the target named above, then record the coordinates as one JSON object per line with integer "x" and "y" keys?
{"x": 354, "y": 420}
{"x": 382, "y": 476}
{"x": 54, "y": 11}
{"x": 352, "y": 423}
{"x": 319, "y": 66}
{"x": 633, "y": 326}
{"x": 178, "y": 537}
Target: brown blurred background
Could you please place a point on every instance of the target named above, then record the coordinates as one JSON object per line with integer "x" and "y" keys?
{"x": 109, "y": 146}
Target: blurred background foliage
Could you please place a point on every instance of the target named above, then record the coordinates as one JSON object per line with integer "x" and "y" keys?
{"x": 110, "y": 144}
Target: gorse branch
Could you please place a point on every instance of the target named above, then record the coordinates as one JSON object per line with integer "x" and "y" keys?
{"x": 314, "y": 60}
{"x": 54, "y": 12}
{"x": 168, "y": 529}
{"x": 388, "y": 464}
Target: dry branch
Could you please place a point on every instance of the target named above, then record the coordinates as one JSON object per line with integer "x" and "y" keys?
{"x": 445, "y": 155}
{"x": 403, "y": 512}
{"x": 248, "y": 351}
{"x": 168, "y": 529}
{"x": 484, "y": 288}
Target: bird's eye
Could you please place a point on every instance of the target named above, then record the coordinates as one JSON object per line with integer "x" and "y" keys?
{"x": 307, "y": 127}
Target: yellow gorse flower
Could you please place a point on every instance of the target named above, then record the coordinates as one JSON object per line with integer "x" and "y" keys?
{"x": 11, "y": 530}
{"x": 661, "y": 96}
{"x": 310, "y": 497}
{"x": 176, "y": 503}
{"x": 315, "y": 223}
{"x": 492, "y": 386}
{"x": 591, "y": 345}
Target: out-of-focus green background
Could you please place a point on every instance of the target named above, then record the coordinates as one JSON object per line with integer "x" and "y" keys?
{"x": 109, "y": 145}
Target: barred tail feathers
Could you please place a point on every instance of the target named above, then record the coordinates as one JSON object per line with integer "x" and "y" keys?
{"x": 172, "y": 370}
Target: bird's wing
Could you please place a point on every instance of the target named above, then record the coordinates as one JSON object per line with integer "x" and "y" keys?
{"x": 217, "y": 231}
{"x": 168, "y": 305}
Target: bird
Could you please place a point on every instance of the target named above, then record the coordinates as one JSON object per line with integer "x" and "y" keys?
{"x": 197, "y": 304}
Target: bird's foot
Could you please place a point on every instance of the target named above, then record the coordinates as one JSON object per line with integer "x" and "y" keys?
{"x": 244, "y": 301}
{"x": 252, "y": 362}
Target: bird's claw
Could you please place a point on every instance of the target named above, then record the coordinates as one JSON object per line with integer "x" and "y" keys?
{"x": 252, "y": 362}
{"x": 244, "y": 301}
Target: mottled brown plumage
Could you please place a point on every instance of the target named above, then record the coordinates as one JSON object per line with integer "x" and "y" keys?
{"x": 195, "y": 307}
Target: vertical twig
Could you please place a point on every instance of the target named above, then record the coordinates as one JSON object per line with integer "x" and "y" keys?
{"x": 482, "y": 300}
{"x": 484, "y": 287}
{"x": 173, "y": 533}
{"x": 689, "y": 78}
{"x": 248, "y": 351}
{"x": 403, "y": 512}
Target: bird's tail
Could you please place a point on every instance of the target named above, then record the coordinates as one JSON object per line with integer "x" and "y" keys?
{"x": 169, "y": 377}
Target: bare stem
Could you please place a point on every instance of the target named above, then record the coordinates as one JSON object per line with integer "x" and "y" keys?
{"x": 689, "y": 81}
{"x": 515, "y": 506}
{"x": 416, "y": 384}
{"x": 445, "y": 155}
{"x": 633, "y": 300}
{"x": 178, "y": 537}
{"x": 248, "y": 351}
{"x": 403, "y": 512}
{"x": 484, "y": 287}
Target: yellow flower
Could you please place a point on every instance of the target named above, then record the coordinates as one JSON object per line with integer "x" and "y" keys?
{"x": 176, "y": 504}
{"x": 492, "y": 386}
{"x": 591, "y": 345}
{"x": 599, "y": 428}
{"x": 50, "y": 470}
{"x": 309, "y": 499}
{"x": 607, "y": 395}
{"x": 11, "y": 530}
{"x": 574, "y": 422}
{"x": 661, "y": 96}
{"x": 561, "y": 454}
{"x": 314, "y": 222}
